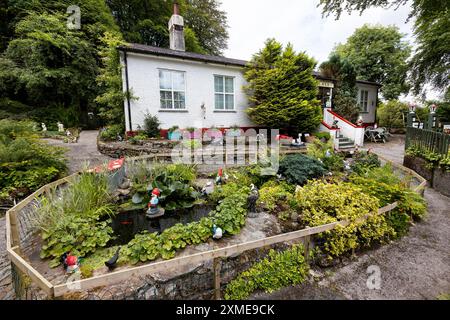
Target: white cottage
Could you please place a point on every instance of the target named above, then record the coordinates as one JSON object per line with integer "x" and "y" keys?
{"x": 187, "y": 89}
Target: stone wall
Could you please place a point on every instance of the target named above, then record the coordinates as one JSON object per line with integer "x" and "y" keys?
{"x": 125, "y": 149}
{"x": 438, "y": 178}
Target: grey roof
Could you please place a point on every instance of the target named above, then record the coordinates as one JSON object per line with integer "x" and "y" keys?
{"x": 157, "y": 51}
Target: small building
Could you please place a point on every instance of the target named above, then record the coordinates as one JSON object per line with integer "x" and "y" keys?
{"x": 188, "y": 89}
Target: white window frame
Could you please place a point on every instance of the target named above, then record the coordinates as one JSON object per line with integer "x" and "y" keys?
{"x": 364, "y": 100}
{"x": 224, "y": 94}
{"x": 172, "y": 90}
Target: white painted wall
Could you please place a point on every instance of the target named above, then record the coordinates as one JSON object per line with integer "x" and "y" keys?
{"x": 368, "y": 117}
{"x": 143, "y": 75}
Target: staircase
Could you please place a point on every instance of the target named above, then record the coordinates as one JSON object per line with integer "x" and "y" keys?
{"x": 345, "y": 143}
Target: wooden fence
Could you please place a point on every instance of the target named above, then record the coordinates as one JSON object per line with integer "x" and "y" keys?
{"x": 428, "y": 140}
{"x": 56, "y": 290}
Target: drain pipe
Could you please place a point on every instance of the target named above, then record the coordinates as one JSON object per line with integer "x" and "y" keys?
{"x": 127, "y": 89}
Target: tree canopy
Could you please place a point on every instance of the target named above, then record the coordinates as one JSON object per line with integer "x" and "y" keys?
{"x": 282, "y": 89}
{"x": 431, "y": 60}
{"x": 379, "y": 54}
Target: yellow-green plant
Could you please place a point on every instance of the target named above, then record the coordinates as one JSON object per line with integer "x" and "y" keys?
{"x": 277, "y": 270}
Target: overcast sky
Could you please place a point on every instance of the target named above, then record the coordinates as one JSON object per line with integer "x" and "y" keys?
{"x": 300, "y": 22}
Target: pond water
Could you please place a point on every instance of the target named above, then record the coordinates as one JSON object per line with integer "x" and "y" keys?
{"x": 127, "y": 224}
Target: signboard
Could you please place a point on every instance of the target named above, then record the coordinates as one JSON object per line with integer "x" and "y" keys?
{"x": 446, "y": 128}
{"x": 326, "y": 84}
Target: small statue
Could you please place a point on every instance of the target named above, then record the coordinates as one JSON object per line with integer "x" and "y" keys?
{"x": 360, "y": 121}
{"x": 217, "y": 232}
{"x": 70, "y": 262}
{"x": 220, "y": 179}
{"x": 68, "y": 133}
{"x": 298, "y": 142}
{"x": 44, "y": 127}
{"x": 328, "y": 153}
{"x": 60, "y": 127}
{"x": 112, "y": 263}
{"x": 153, "y": 209}
{"x": 251, "y": 201}
{"x": 207, "y": 189}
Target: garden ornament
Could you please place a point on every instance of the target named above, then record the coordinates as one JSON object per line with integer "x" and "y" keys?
{"x": 137, "y": 198}
{"x": 220, "y": 178}
{"x": 217, "y": 232}
{"x": 68, "y": 133}
{"x": 70, "y": 262}
{"x": 44, "y": 127}
{"x": 111, "y": 263}
{"x": 360, "y": 121}
{"x": 251, "y": 201}
{"x": 328, "y": 153}
{"x": 153, "y": 209}
{"x": 60, "y": 127}
{"x": 207, "y": 189}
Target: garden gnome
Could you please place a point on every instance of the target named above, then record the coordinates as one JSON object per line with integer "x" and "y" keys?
{"x": 251, "y": 201}
{"x": 219, "y": 178}
{"x": 60, "y": 127}
{"x": 153, "y": 208}
{"x": 44, "y": 127}
{"x": 71, "y": 263}
{"x": 217, "y": 232}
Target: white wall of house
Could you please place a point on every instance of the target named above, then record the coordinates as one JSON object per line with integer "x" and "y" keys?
{"x": 144, "y": 83}
{"x": 370, "y": 91}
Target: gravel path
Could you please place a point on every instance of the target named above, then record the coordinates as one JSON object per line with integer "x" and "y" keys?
{"x": 83, "y": 152}
{"x": 416, "y": 266}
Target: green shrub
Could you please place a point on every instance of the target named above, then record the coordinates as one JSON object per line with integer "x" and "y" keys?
{"x": 26, "y": 163}
{"x": 277, "y": 270}
{"x": 151, "y": 126}
{"x": 323, "y": 135}
{"x": 363, "y": 161}
{"x": 298, "y": 168}
{"x": 273, "y": 194}
{"x": 112, "y": 132}
{"x": 76, "y": 218}
{"x": 320, "y": 203}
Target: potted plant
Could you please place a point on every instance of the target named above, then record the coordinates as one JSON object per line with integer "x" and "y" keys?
{"x": 174, "y": 133}
{"x": 193, "y": 133}
{"x": 234, "y": 131}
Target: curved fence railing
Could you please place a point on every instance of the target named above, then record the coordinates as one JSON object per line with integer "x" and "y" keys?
{"x": 19, "y": 231}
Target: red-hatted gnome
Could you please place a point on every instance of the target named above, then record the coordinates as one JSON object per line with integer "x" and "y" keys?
{"x": 153, "y": 209}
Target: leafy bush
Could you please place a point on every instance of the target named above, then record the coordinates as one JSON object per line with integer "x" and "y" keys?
{"x": 272, "y": 194}
{"x": 151, "y": 126}
{"x": 322, "y": 135}
{"x": 321, "y": 203}
{"x": 277, "y": 270}
{"x": 391, "y": 114}
{"x": 111, "y": 133}
{"x": 363, "y": 161}
{"x": 76, "y": 218}
{"x": 298, "y": 168}
{"x": 324, "y": 152}
{"x": 26, "y": 163}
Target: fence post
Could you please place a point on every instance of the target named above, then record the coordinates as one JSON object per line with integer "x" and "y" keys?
{"x": 306, "y": 245}
{"x": 217, "y": 265}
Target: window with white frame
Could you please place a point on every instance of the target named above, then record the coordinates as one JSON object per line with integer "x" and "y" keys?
{"x": 363, "y": 100}
{"x": 224, "y": 93}
{"x": 172, "y": 89}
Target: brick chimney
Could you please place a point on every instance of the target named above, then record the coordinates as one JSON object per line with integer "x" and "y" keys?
{"x": 176, "y": 30}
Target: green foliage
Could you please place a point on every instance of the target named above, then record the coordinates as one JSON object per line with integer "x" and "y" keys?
{"x": 318, "y": 150}
{"x": 433, "y": 159}
{"x": 430, "y": 61}
{"x": 363, "y": 161}
{"x": 109, "y": 80}
{"x": 277, "y": 270}
{"x": 321, "y": 203}
{"x": 322, "y": 135}
{"x": 298, "y": 168}
{"x": 392, "y": 114}
{"x": 151, "y": 126}
{"x": 282, "y": 89}
{"x": 379, "y": 54}
{"x": 26, "y": 163}
{"x": 229, "y": 215}
{"x": 76, "y": 218}
{"x": 273, "y": 194}
{"x": 345, "y": 91}
{"x": 111, "y": 132}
